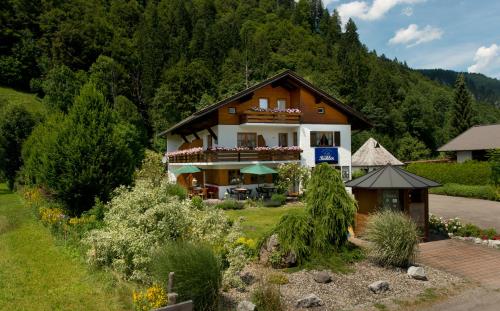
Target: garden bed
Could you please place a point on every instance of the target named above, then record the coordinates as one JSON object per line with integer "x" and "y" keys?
{"x": 350, "y": 290}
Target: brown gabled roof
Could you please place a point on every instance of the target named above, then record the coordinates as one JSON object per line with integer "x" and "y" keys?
{"x": 479, "y": 137}
{"x": 357, "y": 119}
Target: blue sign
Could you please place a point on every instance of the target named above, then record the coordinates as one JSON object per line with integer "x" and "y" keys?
{"x": 326, "y": 155}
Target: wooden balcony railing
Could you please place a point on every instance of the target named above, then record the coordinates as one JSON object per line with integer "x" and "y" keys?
{"x": 236, "y": 156}
{"x": 269, "y": 117}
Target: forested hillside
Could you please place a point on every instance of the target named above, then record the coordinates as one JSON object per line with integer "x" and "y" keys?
{"x": 483, "y": 88}
{"x": 172, "y": 57}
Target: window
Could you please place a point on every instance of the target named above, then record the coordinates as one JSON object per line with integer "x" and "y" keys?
{"x": 295, "y": 139}
{"x": 263, "y": 103}
{"x": 231, "y": 110}
{"x": 321, "y": 110}
{"x": 234, "y": 177}
{"x": 281, "y": 104}
{"x": 247, "y": 140}
{"x": 283, "y": 139}
{"x": 325, "y": 139}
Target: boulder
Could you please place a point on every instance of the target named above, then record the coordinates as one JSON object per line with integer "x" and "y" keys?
{"x": 322, "y": 277}
{"x": 309, "y": 301}
{"x": 496, "y": 243}
{"x": 379, "y": 287}
{"x": 417, "y": 273}
{"x": 247, "y": 278}
{"x": 245, "y": 305}
{"x": 271, "y": 247}
{"x": 478, "y": 240}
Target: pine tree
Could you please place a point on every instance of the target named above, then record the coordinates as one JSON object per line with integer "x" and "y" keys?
{"x": 462, "y": 111}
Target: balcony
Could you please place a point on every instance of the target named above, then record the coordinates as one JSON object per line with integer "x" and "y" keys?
{"x": 290, "y": 116}
{"x": 197, "y": 155}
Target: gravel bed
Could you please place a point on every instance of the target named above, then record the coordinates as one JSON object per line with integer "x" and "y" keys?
{"x": 348, "y": 291}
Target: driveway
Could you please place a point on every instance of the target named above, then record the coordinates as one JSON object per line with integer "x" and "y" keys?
{"x": 482, "y": 213}
{"x": 473, "y": 262}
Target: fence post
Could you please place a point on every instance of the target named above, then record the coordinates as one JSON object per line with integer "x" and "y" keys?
{"x": 172, "y": 297}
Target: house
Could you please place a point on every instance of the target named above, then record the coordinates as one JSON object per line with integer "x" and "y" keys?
{"x": 282, "y": 119}
{"x": 474, "y": 143}
{"x": 372, "y": 155}
{"x": 391, "y": 187}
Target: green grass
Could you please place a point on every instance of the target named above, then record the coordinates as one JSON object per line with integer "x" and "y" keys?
{"x": 37, "y": 273}
{"x": 260, "y": 220}
{"x": 30, "y": 101}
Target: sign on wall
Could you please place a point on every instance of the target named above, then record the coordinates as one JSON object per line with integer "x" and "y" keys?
{"x": 326, "y": 155}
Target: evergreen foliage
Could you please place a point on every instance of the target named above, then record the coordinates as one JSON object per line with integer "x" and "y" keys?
{"x": 85, "y": 155}
{"x": 462, "y": 113}
{"x": 323, "y": 227}
{"x": 172, "y": 57}
{"x": 16, "y": 124}
{"x": 331, "y": 208}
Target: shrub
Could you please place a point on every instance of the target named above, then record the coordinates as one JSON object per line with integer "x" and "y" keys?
{"x": 393, "y": 238}
{"x": 291, "y": 176}
{"x": 84, "y": 154}
{"x": 330, "y": 207}
{"x": 228, "y": 204}
{"x": 468, "y": 173}
{"x": 277, "y": 197}
{"x": 153, "y": 298}
{"x": 294, "y": 232}
{"x": 266, "y": 297}
{"x": 470, "y": 230}
{"x": 151, "y": 168}
{"x": 494, "y": 160}
{"x": 489, "y": 233}
{"x": 197, "y": 202}
{"x": 140, "y": 219}
{"x": 16, "y": 124}
{"x": 486, "y": 192}
{"x": 176, "y": 190}
{"x": 277, "y": 278}
{"x": 197, "y": 270}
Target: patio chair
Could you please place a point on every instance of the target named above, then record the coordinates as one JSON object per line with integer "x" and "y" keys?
{"x": 232, "y": 194}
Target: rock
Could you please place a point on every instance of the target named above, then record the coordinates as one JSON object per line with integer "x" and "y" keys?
{"x": 272, "y": 243}
{"x": 322, "y": 277}
{"x": 290, "y": 260}
{"x": 309, "y": 301}
{"x": 245, "y": 305}
{"x": 379, "y": 287}
{"x": 247, "y": 278}
{"x": 417, "y": 273}
{"x": 496, "y": 243}
{"x": 271, "y": 247}
{"x": 478, "y": 241}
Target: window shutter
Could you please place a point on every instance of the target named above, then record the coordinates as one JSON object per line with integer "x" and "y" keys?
{"x": 337, "y": 139}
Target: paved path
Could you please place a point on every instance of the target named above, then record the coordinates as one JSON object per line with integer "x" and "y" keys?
{"x": 474, "y": 262}
{"x": 482, "y": 213}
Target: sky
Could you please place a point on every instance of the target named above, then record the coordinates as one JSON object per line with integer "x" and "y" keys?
{"x": 461, "y": 35}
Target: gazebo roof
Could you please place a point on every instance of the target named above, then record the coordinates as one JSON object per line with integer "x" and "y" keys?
{"x": 371, "y": 153}
{"x": 391, "y": 177}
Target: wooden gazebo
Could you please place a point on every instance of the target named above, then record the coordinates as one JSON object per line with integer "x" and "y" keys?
{"x": 391, "y": 187}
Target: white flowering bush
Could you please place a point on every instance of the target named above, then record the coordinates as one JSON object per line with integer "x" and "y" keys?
{"x": 142, "y": 218}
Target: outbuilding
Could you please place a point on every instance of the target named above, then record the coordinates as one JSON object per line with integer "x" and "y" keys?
{"x": 391, "y": 187}
{"x": 474, "y": 143}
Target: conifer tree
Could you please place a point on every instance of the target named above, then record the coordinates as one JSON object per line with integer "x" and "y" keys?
{"x": 462, "y": 111}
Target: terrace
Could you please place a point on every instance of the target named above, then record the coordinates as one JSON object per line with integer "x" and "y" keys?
{"x": 198, "y": 155}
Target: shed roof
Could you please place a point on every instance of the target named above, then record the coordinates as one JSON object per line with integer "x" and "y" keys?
{"x": 391, "y": 177}
{"x": 371, "y": 153}
{"x": 479, "y": 137}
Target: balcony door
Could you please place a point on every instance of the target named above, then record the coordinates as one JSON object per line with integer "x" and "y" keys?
{"x": 248, "y": 140}
{"x": 283, "y": 139}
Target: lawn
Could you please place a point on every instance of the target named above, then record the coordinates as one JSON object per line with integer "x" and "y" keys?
{"x": 30, "y": 101}
{"x": 259, "y": 220}
{"x": 37, "y": 273}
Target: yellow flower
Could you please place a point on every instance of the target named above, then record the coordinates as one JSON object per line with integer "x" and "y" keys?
{"x": 154, "y": 297}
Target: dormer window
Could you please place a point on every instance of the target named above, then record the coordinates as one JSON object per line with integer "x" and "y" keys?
{"x": 263, "y": 103}
{"x": 281, "y": 104}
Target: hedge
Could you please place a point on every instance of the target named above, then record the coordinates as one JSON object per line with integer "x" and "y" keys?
{"x": 486, "y": 192}
{"x": 468, "y": 173}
